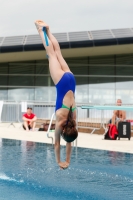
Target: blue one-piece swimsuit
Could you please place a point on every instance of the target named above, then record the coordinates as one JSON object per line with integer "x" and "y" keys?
{"x": 65, "y": 84}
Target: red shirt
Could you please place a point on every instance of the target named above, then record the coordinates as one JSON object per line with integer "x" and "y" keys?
{"x": 31, "y": 116}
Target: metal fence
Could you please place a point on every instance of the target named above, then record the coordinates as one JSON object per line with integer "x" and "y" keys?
{"x": 12, "y": 111}
{"x": 93, "y": 119}
{"x": 89, "y": 119}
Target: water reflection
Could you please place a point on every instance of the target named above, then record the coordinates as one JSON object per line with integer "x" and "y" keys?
{"x": 9, "y": 142}
{"x": 115, "y": 156}
{"x": 30, "y": 145}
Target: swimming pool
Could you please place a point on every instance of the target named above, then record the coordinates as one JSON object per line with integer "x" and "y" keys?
{"x": 28, "y": 171}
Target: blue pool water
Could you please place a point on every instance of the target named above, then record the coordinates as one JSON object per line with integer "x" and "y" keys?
{"x": 28, "y": 171}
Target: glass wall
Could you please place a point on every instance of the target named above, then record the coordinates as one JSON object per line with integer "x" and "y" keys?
{"x": 100, "y": 80}
{"x": 124, "y": 78}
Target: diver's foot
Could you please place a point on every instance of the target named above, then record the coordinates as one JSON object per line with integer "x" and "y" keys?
{"x": 40, "y": 24}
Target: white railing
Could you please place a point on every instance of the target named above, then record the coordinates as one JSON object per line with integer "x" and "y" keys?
{"x": 91, "y": 119}
{"x": 11, "y": 111}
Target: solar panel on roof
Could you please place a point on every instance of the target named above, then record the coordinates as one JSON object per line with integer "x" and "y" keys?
{"x": 1, "y": 40}
{"x": 33, "y": 39}
{"x": 78, "y": 36}
{"x": 61, "y": 37}
{"x": 102, "y": 34}
{"x": 122, "y": 32}
{"x": 14, "y": 40}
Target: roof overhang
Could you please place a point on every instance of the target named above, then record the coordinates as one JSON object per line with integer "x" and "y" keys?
{"x": 72, "y": 52}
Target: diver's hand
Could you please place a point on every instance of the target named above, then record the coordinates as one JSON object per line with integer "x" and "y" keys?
{"x": 67, "y": 163}
{"x": 63, "y": 165}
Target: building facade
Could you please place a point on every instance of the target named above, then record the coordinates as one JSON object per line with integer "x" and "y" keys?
{"x": 102, "y": 63}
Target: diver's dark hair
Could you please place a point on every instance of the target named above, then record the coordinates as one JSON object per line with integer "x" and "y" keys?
{"x": 70, "y": 132}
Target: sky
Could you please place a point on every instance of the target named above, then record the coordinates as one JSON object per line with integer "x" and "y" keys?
{"x": 17, "y": 16}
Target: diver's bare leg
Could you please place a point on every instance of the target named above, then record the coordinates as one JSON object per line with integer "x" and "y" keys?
{"x": 57, "y": 50}
{"x": 54, "y": 65}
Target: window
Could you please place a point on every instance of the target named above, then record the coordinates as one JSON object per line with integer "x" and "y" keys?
{"x": 3, "y": 80}
{"x": 101, "y": 65}
{"x": 3, "y": 93}
{"x": 21, "y": 94}
{"x": 22, "y": 68}
{"x": 21, "y": 80}
{"x": 102, "y": 90}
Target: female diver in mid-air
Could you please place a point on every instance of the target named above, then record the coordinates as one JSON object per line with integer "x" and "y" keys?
{"x": 64, "y": 81}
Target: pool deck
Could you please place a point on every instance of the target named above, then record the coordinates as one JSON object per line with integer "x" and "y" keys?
{"x": 85, "y": 140}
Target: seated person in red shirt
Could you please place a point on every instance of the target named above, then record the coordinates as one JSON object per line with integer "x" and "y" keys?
{"x": 29, "y": 120}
